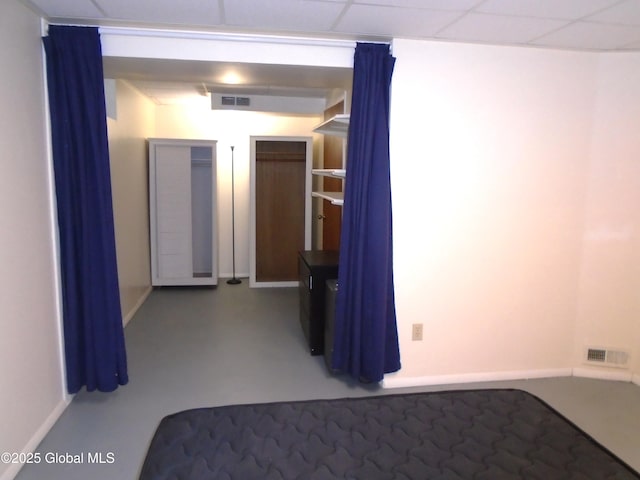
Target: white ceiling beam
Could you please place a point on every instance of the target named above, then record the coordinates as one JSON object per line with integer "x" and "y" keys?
{"x": 205, "y": 46}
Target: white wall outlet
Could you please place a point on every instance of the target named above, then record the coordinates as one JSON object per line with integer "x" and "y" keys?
{"x": 416, "y": 332}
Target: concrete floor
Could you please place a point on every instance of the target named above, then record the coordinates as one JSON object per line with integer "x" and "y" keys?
{"x": 198, "y": 347}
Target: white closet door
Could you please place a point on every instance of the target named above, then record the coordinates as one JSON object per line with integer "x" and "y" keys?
{"x": 173, "y": 211}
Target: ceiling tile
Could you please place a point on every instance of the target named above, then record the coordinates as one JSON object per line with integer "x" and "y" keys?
{"x": 191, "y": 12}
{"x": 451, "y": 5}
{"x": 594, "y": 36}
{"x": 626, "y": 13}
{"x": 397, "y": 22}
{"x": 68, "y": 8}
{"x": 574, "y": 24}
{"x": 499, "y": 29}
{"x": 562, "y": 9}
{"x": 296, "y": 15}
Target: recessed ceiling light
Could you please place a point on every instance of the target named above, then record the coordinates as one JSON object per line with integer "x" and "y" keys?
{"x": 231, "y": 78}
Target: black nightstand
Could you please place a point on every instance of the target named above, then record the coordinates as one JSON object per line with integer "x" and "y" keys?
{"x": 315, "y": 267}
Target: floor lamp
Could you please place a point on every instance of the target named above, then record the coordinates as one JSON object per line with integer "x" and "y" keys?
{"x": 234, "y": 280}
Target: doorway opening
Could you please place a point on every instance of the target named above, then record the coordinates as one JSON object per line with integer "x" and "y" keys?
{"x": 280, "y": 208}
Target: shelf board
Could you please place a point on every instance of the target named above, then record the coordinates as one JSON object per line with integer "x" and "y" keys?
{"x": 337, "y": 125}
{"x": 330, "y": 172}
{"x": 336, "y": 198}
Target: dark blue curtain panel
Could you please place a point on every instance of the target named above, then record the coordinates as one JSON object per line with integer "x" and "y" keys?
{"x": 365, "y": 335}
{"x": 93, "y": 333}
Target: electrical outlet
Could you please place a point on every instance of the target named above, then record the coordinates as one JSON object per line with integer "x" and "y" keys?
{"x": 416, "y": 332}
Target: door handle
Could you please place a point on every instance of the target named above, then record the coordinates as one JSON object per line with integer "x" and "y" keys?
{"x": 321, "y": 217}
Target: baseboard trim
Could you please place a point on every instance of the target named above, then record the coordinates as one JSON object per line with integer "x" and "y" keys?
{"x": 274, "y": 284}
{"x": 137, "y": 306}
{"x": 11, "y": 472}
{"x": 614, "y": 375}
{"x": 403, "y": 382}
{"x": 224, "y": 276}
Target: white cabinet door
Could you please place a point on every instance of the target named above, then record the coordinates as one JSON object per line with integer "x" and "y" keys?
{"x": 173, "y": 211}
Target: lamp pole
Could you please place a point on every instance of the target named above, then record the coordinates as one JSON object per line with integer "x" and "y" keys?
{"x": 234, "y": 280}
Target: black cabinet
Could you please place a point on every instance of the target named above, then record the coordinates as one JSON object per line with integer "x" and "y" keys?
{"x": 315, "y": 267}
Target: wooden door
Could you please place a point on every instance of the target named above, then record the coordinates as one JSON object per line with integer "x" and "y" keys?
{"x": 333, "y": 158}
{"x": 280, "y": 179}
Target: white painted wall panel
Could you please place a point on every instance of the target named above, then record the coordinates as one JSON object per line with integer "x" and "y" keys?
{"x": 489, "y": 166}
{"x": 128, "y": 154}
{"x": 32, "y": 385}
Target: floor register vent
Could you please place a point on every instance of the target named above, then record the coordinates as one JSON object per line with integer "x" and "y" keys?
{"x": 607, "y": 357}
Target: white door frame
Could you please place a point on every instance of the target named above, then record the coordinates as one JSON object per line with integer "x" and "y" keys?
{"x": 252, "y": 216}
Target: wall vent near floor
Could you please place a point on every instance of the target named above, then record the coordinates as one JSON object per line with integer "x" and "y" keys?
{"x": 606, "y": 357}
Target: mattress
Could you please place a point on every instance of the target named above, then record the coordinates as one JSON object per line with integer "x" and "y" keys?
{"x": 468, "y": 434}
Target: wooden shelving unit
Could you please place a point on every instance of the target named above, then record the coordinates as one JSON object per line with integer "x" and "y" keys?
{"x": 337, "y": 125}
{"x": 336, "y": 198}
{"x": 330, "y": 172}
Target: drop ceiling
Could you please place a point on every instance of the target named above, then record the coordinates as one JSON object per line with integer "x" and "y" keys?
{"x": 590, "y": 25}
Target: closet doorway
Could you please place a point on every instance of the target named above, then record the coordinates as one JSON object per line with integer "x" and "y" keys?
{"x": 280, "y": 208}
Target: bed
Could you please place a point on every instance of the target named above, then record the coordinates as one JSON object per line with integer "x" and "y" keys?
{"x": 487, "y": 434}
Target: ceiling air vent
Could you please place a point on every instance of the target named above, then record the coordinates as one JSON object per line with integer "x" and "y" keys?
{"x": 607, "y": 357}
{"x": 270, "y": 102}
{"x": 229, "y": 101}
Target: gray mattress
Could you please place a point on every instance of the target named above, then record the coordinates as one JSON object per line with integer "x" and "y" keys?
{"x": 475, "y": 434}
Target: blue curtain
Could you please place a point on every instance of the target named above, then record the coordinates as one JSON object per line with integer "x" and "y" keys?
{"x": 93, "y": 333}
{"x": 365, "y": 332}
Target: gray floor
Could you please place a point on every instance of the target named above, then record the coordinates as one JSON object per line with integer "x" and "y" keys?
{"x": 202, "y": 347}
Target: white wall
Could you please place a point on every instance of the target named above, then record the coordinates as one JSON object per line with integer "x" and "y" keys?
{"x": 609, "y": 287}
{"x": 230, "y": 128}
{"x": 490, "y": 152}
{"x": 128, "y": 132}
{"x": 32, "y": 380}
